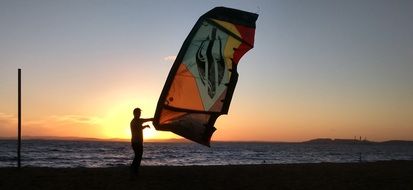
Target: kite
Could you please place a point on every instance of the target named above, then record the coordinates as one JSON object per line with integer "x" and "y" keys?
{"x": 202, "y": 79}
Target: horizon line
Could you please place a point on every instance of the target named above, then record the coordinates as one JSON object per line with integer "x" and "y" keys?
{"x": 183, "y": 140}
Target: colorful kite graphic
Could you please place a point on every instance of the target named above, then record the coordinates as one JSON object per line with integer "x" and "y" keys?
{"x": 202, "y": 80}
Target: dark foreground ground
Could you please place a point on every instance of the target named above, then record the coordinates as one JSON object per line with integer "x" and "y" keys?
{"x": 377, "y": 175}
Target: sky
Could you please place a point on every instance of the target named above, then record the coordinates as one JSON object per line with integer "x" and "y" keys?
{"x": 319, "y": 68}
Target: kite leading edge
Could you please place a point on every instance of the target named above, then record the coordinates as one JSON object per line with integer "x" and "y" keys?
{"x": 202, "y": 80}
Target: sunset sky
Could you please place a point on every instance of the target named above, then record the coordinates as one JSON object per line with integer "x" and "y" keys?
{"x": 319, "y": 68}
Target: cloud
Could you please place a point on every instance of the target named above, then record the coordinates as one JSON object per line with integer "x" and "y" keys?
{"x": 170, "y": 58}
{"x": 68, "y": 125}
{"x": 8, "y": 125}
{"x": 7, "y": 117}
{"x": 57, "y": 125}
{"x": 76, "y": 119}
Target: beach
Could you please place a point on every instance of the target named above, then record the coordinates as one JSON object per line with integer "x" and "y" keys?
{"x": 371, "y": 175}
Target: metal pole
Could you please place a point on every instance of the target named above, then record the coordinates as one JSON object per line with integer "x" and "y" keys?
{"x": 19, "y": 127}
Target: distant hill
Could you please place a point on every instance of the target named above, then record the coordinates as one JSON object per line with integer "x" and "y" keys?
{"x": 354, "y": 141}
{"x": 397, "y": 142}
{"x": 335, "y": 141}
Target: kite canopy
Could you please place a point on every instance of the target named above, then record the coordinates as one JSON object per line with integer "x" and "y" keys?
{"x": 202, "y": 80}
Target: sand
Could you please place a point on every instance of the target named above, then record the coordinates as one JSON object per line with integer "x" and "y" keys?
{"x": 376, "y": 175}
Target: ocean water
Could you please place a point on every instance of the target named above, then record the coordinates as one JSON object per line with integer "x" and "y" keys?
{"x": 53, "y": 153}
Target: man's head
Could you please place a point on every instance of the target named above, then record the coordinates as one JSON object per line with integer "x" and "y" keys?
{"x": 137, "y": 112}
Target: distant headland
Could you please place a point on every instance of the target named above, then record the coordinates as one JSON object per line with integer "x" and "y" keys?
{"x": 354, "y": 141}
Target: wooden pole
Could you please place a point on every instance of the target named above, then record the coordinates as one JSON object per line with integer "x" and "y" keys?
{"x": 19, "y": 127}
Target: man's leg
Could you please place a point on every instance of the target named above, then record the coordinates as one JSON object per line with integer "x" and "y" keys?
{"x": 136, "y": 159}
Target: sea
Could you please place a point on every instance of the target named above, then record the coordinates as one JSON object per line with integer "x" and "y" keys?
{"x": 63, "y": 153}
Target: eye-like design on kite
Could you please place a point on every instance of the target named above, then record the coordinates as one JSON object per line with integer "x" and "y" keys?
{"x": 211, "y": 64}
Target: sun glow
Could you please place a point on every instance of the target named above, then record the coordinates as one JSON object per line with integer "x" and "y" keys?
{"x": 153, "y": 134}
{"x": 116, "y": 123}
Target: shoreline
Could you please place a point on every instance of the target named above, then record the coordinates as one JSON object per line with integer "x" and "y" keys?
{"x": 365, "y": 175}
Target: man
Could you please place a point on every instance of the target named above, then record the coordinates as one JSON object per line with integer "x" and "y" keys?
{"x": 137, "y": 139}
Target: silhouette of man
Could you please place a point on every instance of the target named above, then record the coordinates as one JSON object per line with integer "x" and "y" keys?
{"x": 137, "y": 139}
